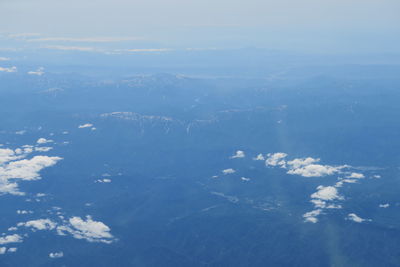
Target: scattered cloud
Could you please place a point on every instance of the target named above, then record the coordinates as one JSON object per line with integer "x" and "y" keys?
{"x": 86, "y": 125}
{"x": 355, "y": 218}
{"x": 11, "y": 69}
{"x": 4, "y": 58}
{"x": 315, "y": 170}
{"x": 14, "y": 167}
{"x": 105, "y": 180}
{"x": 72, "y": 48}
{"x": 326, "y": 193}
{"x": 311, "y": 216}
{"x": 276, "y": 159}
{"x": 384, "y": 205}
{"x": 55, "y": 255}
{"x": 40, "y": 224}
{"x": 86, "y": 39}
{"x": 149, "y": 50}
{"x": 41, "y": 141}
{"x": 43, "y": 149}
{"x": 228, "y": 171}
{"x": 259, "y": 157}
{"x": 239, "y": 154}
{"x": 15, "y": 238}
{"x": 356, "y": 175}
{"x": 92, "y": 231}
{"x": 38, "y": 72}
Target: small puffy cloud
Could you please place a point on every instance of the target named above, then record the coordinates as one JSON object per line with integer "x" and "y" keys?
{"x": 239, "y": 154}
{"x": 149, "y": 50}
{"x": 355, "y": 175}
{"x": 12, "y": 250}
{"x": 24, "y": 212}
{"x": 41, "y": 141}
{"x": 318, "y": 203}
{"x": 90, "y": 230}
{"x": 245, "y": 179}
{"x": 55, "y": 255}
{"x": 86, "y": 125}
{"x": 105, "y": 180}
{"x": 38, "y": 72}
{"x": 301, "y": 162}
{"x": 11, "y": 69}
{"x": 384, "y": 205}
{"x": 3, "y": 250}
{"x": 86, "y": 39}
{"x": 259, "y": 157}
{"x": 7, "y": 155}
{"x": 24, "y": 169}
{"x": 22, "y": 132}
{"x": 228, "y": 171}
{"x": 276, "y": 159}
{"x": 326, "y": 193}
{"x": 311, "y": 216}
{"x": 315, "y": 170}
{"x": 376, "y": 176}
{"x": 40, "y": 224}
{"x": 43, "y": 149}
{"x": 355, "y": 218}
{"x": 15, "y": 238}
{"x": 72, "y": 48}
{"x": 27, "y": 169}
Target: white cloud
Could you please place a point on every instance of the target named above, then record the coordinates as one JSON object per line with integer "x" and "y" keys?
{"x": 44, "y": 141}
{"x": 259, "y": 157}
{"x": 72, "y": 48}
{"x": 4, "y": 58}
{"x": 7, "y": 155}
{"x": 301, "y": 162}
{"x": 24, "y": 169}
{"x": 40, "y": 224}
{"x": 105, "y": 180}
{"x": 24, "y": 212}
{"x": 22, "y": 132}
{"x": 239, "y": 154}
{"x": 311, "y": 216}
{"x": 384, "y": 205}
{"x": 11, "y": 69}
{"x": 228, "y": 171}
{"x": 86, "y": 125}
{"x": 15, "y": 238}
{"x": 355, "y": 218}
{"x": 3, "y": 250}
{"x": 245, "y": 179}
{"x": 38, "y": 72}
{"x": 86, "y": 40}
{"x": 12, "y": 250}
{"x": 326, "y": 193}
{"x": 149, "y": 50}
{"x": 315, "y": 170}
{"x": 27, "y": 169}
{"x": 43, "y": 149}
{"x": 92, "y": 231}
{"x": 276, "y": 159}
{"x": 356, "y": 175}
{"x": 318, "y": 203}
{"x": 55, "y": 255}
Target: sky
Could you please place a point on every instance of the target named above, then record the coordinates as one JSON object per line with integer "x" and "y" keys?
{"x": 288, "y": 24}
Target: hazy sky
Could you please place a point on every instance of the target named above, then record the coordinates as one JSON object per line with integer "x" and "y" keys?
{"x": 214, "y": 22}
